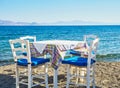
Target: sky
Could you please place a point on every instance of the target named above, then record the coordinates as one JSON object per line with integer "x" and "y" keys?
{"x": 48, "y": 11}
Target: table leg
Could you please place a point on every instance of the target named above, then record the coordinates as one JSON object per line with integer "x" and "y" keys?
{"x": 55, "y": 78}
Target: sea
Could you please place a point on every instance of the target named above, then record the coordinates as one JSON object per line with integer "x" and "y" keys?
{"x": 108, "y": 49}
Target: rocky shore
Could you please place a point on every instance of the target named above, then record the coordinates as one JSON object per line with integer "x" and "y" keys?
{"x": 107, "y": 75}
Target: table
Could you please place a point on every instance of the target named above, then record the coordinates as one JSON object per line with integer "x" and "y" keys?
{"x": 61, "y": 46}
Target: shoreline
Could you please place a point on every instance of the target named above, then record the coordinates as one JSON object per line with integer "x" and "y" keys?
{"x": 107, "y": 75}
{"x": 6, "y": 62}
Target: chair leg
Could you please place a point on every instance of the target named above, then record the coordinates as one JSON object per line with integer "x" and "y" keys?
{"x": 77, "y": 73}
{"x": 88, "y": 77}
{"x": 46, "y": 75}
{"x": 68, "y": 76}
{"x": 29, "y": 76}
{"x": 17, "y": 75}
{"x": 93, "y": 77}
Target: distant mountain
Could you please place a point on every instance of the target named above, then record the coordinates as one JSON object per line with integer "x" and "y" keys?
{"x": 6, "y": 22}
{"x": 78, "y": 22}
{"x": 74, "y": 22}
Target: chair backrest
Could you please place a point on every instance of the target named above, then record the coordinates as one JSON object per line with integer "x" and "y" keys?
{"x": 92, "y": 44}
{"x": 32, "y": 38}
{"x": 29, "y": 38}
{"x": 93, "y": 48}
{"x": 18, "y": 49}
{"x": 89, "y": 37}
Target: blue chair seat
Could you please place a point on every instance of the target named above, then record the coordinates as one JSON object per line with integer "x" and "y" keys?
{"x": 76, "y": 53}
{"x": 35, "y": 61}
{"x": 77, "y": 61}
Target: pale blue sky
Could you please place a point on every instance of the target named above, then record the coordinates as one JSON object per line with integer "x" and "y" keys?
{"x": 47, "y": 11}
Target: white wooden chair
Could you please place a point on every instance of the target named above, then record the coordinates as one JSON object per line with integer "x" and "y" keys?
{"x": 27, "y": 62}
{"x": 84, "y": 64}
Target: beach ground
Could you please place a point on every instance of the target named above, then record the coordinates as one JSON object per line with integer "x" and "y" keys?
{"x": 107, "y": 75}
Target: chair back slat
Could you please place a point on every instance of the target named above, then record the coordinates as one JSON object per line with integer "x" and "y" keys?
{"x": 19, "y": 49}
{"x": 29, "y": 37}
{"x": 21, "y": 56}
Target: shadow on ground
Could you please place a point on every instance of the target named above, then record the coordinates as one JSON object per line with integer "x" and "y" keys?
{"x": 8, "y": 81}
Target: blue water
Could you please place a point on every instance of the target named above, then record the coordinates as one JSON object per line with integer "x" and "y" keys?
{"x": 109, "y": 37}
